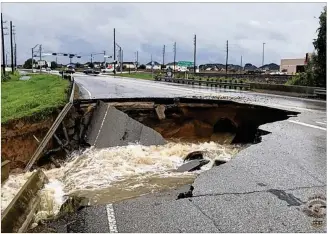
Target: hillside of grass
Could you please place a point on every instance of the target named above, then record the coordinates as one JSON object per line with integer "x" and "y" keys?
{"x": 36, "y": 97}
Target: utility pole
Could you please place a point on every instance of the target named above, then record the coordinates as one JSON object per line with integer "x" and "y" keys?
{"x": 152, "y": 69}
{"x": 114, "y": 46}
{"x": 241, "y": 64}
{"x": 91, "y": 59}
{"x": 164, "y": 55}
{"x": 174, "y": 49}
{"x": 3, "y": 47}
{"x": 122, "y": 59}
{"x": 195, "y": 54}
{"x": 137, "y": 57}
{"x": 227, "y": 58}
{"x": 263, "y": 53}
{"x": 104, "y": 59}
{"x": 15, "y": 53}
{"x": 40, "y": 58}
{"x": 11, "y": 47}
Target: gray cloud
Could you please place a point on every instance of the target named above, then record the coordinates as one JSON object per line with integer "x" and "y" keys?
{"x": 287, "y": 28}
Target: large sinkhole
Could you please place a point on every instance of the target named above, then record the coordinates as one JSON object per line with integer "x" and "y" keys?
{"x": 116, "y": 149}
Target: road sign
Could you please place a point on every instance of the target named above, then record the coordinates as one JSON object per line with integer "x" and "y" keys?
{"x": 185, "y": 64}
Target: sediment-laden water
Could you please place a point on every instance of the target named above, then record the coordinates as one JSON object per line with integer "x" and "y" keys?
{"x": 117, "y": 173}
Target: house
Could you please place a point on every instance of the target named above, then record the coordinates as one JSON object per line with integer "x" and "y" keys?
{"x": 180, "y": 65}
{"x": 157, "y": 66}
{"x": 292, "y": 66}
{"x": 129, "y": 65}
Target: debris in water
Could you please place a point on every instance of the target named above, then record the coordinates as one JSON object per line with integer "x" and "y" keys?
{"x": 194, "y": 156}
{"x": 186, "y": 194}
{"x": 193, "y": 165}
{"x": 219, "y": 162}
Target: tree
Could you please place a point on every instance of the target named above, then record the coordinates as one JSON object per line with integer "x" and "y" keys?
{"x": 91, "y": 65}
{"x": 142, "y": 66}
{"x": 28, "y": 63}
{"x": 78, "y": 65}
{"x": 320, "y": 45}
{"x": 53, "y": 65}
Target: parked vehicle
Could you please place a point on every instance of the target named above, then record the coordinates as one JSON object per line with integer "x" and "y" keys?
{"x": 91, "y": 71}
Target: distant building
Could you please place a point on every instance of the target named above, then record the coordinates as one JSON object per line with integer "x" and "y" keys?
{"x": 157, "y": 66}
{"x": 129, "y": 65}
{"x": 294, "y": 65}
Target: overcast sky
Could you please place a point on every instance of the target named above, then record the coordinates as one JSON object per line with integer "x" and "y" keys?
{"x": 288, "y": 30}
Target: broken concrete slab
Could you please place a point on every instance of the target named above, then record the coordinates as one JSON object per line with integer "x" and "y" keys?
{"x": 160, "y": 111}
{"x": 192, "y": 165}
{"x": 218, "y": 162}
{"x": 110, "y": 127}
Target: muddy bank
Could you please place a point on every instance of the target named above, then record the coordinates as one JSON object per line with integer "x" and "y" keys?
{"x": 19, "y": 139}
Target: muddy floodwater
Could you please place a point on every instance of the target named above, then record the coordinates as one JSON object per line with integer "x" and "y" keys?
{"x": 113, "y": 174}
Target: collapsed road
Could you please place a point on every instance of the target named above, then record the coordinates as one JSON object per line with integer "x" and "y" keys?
{"x": 272, "y": 180}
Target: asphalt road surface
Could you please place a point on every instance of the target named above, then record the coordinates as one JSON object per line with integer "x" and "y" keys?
{"x": 265, "y": 188}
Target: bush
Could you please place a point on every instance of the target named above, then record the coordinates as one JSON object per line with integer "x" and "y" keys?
{"x": 142, "y": 66}
{"x": 303, "y": 79}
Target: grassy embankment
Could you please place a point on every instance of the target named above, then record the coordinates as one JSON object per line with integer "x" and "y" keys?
{"x": 35, "y": 98}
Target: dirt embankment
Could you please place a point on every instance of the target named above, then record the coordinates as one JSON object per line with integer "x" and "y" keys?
{"x": 18, "y": 139}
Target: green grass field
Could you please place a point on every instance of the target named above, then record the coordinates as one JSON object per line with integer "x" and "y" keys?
{"x": 36, "y": 97}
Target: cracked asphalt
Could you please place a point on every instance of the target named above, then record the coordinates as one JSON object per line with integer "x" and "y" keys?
{"x": 265, "y": 188}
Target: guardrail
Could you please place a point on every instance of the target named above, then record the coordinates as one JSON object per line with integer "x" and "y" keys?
{"x": 320, "y": 92}
{"x": 19, "y": 213}
{"x": 5, "y": 166}
{"x": 231, "y": 84}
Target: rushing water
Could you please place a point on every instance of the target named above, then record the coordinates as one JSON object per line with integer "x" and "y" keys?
{"x": 10, "y": 188}
{"x": 117, "y": 173}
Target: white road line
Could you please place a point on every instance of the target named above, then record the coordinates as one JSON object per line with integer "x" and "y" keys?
{"x": 321, "y": 123}
{"x": 111, "y": 219}
{"x": 89, "y": 93}
{"x": 308, "y": 125}
{"x": 98, "y": 134}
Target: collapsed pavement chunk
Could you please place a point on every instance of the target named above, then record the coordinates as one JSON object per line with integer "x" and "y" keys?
{"x": 111, "y": 127}
{"x": 193, "y": 165}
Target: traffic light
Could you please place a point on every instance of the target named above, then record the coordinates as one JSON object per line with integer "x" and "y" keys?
{"x": 65, "y": 54}
{"x": 54, "y": 53}
{"x": 78, "y": 56}
{"x": 71, "y": 55}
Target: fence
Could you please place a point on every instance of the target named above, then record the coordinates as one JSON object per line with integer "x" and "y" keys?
{"x": 231, "y": 84}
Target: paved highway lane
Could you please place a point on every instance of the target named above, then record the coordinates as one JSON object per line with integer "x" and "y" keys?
{"x": 103, "y": 86}
{"x": 265, "y": 188}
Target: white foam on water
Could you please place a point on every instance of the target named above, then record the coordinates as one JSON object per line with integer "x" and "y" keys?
{"x": 132, "y": 167}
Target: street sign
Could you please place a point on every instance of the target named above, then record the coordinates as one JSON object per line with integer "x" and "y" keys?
{"x": 185, "y": 64}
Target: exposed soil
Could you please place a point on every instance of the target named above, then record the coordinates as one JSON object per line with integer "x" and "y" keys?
{"x": 18, "y": 142}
